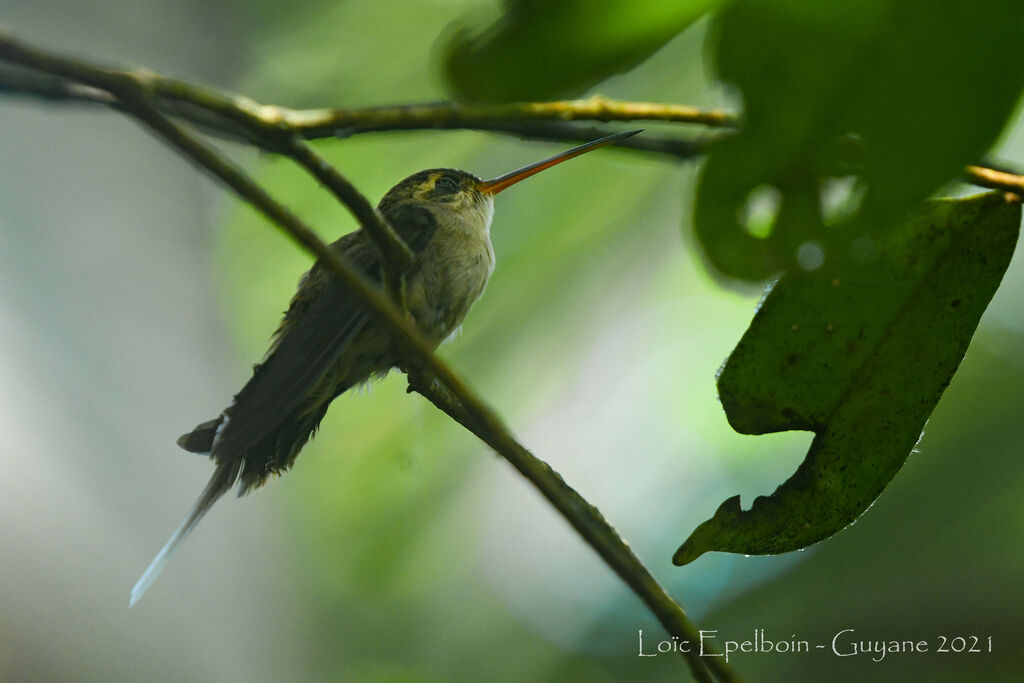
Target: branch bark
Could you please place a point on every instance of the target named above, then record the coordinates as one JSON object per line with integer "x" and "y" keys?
{"x": 240, "y": 119}
{"x": 234, "y": 117}
{"x": 996, "y": 180}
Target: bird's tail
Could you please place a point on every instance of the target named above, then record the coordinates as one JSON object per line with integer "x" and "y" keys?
{"x": 223, "y": 478}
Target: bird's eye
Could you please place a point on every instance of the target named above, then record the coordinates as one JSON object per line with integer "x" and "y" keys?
{"x": 446, "y": 183}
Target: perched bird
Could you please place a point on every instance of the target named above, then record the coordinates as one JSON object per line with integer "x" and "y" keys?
{"x": 327, "y": 343}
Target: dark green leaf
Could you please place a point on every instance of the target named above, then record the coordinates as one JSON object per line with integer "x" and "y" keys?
{"x": 859, "y": 356}
{"x": 542, "y": 50}
{"x": 920, "y": 87}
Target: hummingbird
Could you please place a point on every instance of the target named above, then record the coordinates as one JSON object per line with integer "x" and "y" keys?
{"x": 327, "y": 343}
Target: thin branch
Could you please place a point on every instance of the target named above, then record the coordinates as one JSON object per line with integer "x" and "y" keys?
{"x": 19, "y": 81}
{"x": 328, "y": 123}
{"x": 585, "y": 518}
{"x": 397, "y": 256}
{"x": 451, "y": 394}
{"x": 996, "y": 180}
{"x": 55, "y": 89}
{"x": 315, "y": 123}
{"x": 269, "y": 127}
{"x": 239, "y": 118}
{"x": 674, "y": 146}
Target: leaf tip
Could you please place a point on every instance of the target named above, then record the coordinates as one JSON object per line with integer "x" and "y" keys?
{"x": 686, "y": 554}
{"x": 701, "y": 540}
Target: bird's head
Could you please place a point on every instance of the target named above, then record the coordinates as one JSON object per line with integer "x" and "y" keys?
{"x": 457, "y": 192}
{"x": 439, "y": 188}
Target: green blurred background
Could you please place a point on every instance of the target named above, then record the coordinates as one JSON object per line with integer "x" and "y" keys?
{"x": 135, "y": 295}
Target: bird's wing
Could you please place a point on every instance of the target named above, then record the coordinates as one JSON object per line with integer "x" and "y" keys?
{"x": 415, "y": 224}
{"x": 322, "y": 319}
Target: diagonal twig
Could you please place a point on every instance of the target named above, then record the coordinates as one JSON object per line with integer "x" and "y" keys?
{"x": 449, "y": 392}
{"x": 474, "y": 413}
{"x": 397, "y": 256}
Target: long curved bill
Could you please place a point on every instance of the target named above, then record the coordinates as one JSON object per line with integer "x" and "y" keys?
{"x": 496, "y": 185}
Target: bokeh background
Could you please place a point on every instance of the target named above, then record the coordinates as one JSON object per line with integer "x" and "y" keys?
{"x": 135, "y": 295}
